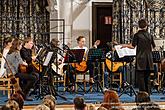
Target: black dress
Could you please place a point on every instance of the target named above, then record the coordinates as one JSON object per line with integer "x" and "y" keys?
{"x": 144, "y": 42}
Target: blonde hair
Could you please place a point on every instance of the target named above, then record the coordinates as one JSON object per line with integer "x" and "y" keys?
{"x": 49, "y": 101}
{"x": 41, "y": 107}
{"x": 13, "y": 105}
{"x": 91, "y": 107}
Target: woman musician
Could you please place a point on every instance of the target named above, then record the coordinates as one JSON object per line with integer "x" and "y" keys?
{"x": 86, "y": 66}
{"x": 14, "y": 60}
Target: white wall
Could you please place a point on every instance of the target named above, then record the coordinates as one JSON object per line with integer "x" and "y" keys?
{"x": 78, "y": 18}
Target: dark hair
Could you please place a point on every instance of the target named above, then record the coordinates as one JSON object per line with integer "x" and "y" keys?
{"x": 79, "y": 38}
{"x": 79, "y": 103}
{"x": 19, "y": 99}
{"x": 15, "y": 45}
{"x": 7, "y": 40}
{"x": 4, "y": 107}
{"x": 54, "y": 42}
{"x": 148, "y": 106}
{"x": 142, "y": 23}
{"x": 141, "y": 97}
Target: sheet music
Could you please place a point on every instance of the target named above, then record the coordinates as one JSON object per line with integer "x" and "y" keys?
{"x": 48, "y": 57}
{"x": 122, "y": 52}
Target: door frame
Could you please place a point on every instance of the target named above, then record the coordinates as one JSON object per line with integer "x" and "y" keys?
{"x": 95, "y": 5}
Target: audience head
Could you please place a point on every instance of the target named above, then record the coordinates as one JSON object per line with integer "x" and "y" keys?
{"x": 49, "y": 101}
{"x": 91, "y": 107}
{"x": 141, "y": 97}
{"x": 12, "y": 104}
{"x": 79, "y": 103}
{"x": 19, "y": 99}
{"x": 102, "y": 108}
{"x": 41, "y": 107}
{"x": 111, "y": 100}
{"x": 16, "y": 46}
{"x": 148, "y": 106}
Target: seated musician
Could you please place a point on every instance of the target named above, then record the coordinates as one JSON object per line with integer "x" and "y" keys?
{"x": 14, "y": 60}
{"x": 7, "y": 44}
{"x": 81, "y": 45}
{"x": 30, "y": 76}
{"x": 115, "y": 66}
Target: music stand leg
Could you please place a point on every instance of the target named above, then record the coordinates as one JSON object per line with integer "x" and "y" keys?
{"x": 129, "y": 86}
{"x": 97, "y": 81}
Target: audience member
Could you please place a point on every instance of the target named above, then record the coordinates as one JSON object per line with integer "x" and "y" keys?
{"x": 19, "y": 99}
{"x": 141, "y": 97}
{"x": 4, "y": 107}
{"x": 143, "y": 102}
{"x": 102, "y": 108}
{"x": 79, "y": 103}
{"x": 49, "y": 101}
{"x": 91, "y": 107}
{"x": 41, "y": 107}
{"x": 148, "y": 106}
{"x": 12, "y": 105}
{"x": 111, "y": 100}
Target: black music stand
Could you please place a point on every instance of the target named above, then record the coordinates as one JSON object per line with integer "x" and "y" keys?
{"x": 97, "y": 56}
{"x": 74, "y": 56}
{"x": 48, "y": 70}
{"x": 127, "y": 86}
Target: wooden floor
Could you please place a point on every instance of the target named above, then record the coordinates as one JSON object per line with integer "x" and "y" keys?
{"x": 127, "y": 106}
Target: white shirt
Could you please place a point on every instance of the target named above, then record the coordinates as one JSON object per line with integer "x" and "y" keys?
{"x": 86, "y": 48}
{"x": 3, "y": 70}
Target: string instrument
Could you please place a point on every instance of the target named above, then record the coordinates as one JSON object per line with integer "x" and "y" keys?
{"x": 58, "y": 69}
{"x": 112, "y": 66}
{"x": 22, "y": 68}
{"x": 13, "y": 79}
{"x": 82, "y": 66}
{"x": 35, "y": 64}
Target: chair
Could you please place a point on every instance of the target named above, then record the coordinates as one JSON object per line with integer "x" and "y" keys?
{"x": 81, "y": 78}
{"x": 117, "y": 77}
{"x": 6, "y": 85}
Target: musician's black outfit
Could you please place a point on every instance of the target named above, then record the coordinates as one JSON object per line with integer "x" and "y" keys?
{"x": 144, "y": 62}
{"x": 31, "y": 77}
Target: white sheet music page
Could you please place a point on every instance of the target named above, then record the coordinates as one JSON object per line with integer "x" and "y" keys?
{"x": 48, "y": 57}
{"x": 125, "y": 51}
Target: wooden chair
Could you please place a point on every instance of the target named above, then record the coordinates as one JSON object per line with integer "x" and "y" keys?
{"x": 6, "y": 85}
{"x": 81, "y": 78}
{"x": 117, "y": 77}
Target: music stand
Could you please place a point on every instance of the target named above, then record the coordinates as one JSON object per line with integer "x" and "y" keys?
{"x": 74, "y": 56}
{"x": 128, "y": 59}
{"x": 98, "y": 56}
{"x": 47, "y": 69}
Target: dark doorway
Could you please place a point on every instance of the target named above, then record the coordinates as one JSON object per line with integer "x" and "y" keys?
{"x": 102, "y": 22}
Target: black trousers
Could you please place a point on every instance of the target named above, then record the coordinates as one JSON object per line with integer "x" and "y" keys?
{"x": 70, "y": 74}
{"x": 144, "y": 80}
{"x": 27, "y": 81}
